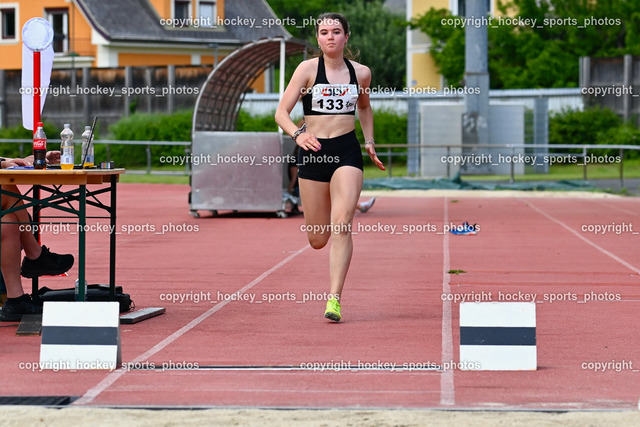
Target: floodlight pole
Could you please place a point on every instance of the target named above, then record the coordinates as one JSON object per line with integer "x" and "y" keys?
{"x": 475, "y": 120}
{"x": 283, "y": 57}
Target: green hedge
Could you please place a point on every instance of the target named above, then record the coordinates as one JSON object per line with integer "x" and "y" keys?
{"x": 146, "y": 127}
{"x": 11, "y": 150}
{"x": 599, "y": 126}
{"x": 261, "y": 123}
{"x": 595, "y": 125}
{"x": 163, "y": 127}
{"x": 390, "y": 127}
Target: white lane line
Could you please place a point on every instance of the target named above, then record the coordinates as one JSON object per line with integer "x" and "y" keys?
{"x": 599, "y": 248}
{"x": 447, "y": 389}
{"x": 617, "y": 208}
{"x": 94, "y": 392}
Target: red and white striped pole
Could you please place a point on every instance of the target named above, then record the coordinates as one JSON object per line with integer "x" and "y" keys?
{"x": 36, "y": 89}
{"x": 37, "y": 36}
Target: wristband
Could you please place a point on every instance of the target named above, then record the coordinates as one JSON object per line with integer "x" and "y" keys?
{"x": 297, "y": 133}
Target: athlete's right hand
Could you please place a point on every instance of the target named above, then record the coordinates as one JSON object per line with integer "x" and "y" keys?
{"x": 307, "y": 142}
{"x": 371, "y": 151}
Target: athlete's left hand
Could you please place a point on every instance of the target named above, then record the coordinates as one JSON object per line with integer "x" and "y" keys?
{"x": 374, "y": 157}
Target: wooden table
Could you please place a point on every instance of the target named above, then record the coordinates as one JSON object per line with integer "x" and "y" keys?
{"x": 51, "y": 181}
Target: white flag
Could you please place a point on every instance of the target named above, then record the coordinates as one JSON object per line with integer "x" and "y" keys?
{"x": 46, "y": 64}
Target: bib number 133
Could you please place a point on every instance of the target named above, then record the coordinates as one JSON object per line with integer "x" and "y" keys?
{"x": 331, "y": 104}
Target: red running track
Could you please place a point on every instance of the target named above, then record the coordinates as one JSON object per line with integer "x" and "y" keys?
{"x": 393, "y": 308}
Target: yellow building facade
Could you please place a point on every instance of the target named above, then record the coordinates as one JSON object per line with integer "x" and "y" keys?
{"x": 61, "y": 13}
{"x": 78, "y": 41}
{"x": 119, "y": 33}
{"x": 421, "y": 68}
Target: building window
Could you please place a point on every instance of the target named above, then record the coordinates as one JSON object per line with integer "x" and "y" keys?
{"x": 461, "y": 8}
{"x": 8, "y": 23}
{"x": 207, "y": 13}
{"x": 181, "y": 9}
{"x": 462, "y": 11}
{"x": 59, "y": 19}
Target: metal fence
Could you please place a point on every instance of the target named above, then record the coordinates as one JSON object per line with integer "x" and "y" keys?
{"x": 559, "y": 99}
{"x": 148, "y": 144}
{"x": 613, "y": 83}
{"x": 561, "y": 154}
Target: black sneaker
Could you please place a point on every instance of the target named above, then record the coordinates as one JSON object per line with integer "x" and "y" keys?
{"x": 47, "y": 264}
{"x": 14, "y": 308}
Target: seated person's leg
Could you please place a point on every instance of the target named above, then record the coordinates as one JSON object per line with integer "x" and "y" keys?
{"x": 47, "y": 263}
{"x": 39, "y": 261}
{"x": 10, "y": 260}
{"x": 18, "y": 303}
{"x": 10, "y": 201}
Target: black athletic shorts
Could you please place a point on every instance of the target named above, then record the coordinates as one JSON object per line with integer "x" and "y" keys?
{"x": 343, "y": 150}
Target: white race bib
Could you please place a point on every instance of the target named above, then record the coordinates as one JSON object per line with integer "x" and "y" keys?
{"x": 334, "y": 98}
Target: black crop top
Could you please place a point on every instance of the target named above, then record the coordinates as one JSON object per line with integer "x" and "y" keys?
{"x": 325, "y": 98}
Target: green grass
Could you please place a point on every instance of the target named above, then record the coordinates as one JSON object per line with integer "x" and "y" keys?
{"x": 154, "y": 179}
{"x": 556, "y": 173}
{"x": 571, "y": 172}
{"x": 371, "y": 171}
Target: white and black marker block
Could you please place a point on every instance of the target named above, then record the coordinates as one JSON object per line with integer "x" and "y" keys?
{"x": 80, "y": 335}
{"x": 498, "y": 336}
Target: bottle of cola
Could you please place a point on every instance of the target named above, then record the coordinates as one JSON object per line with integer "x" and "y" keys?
{"x": 39, "y": 148}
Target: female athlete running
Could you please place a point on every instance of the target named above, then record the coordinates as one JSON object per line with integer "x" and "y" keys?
{"x": 330, "y": 165}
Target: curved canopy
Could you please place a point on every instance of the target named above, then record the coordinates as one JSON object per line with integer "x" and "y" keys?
{"x": 222, "y": 94}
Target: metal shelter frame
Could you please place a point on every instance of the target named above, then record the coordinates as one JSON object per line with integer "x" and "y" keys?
{"x": 223, "y": 92}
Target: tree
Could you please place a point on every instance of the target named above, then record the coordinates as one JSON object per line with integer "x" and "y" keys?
{"x": 298, "y": 16}
{"x": 380, "y": 39}
{"x": 537, "y": 43}
{"x": 376, "y": 34}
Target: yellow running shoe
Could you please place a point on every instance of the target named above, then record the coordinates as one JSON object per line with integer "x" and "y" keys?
{"x": 333, "y": 310}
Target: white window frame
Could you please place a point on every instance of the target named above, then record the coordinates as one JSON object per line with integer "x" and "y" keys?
{"x": 173, "y": 8}
{"x": 65, "y": 26}
{"x": 453, "y": 6}
{"x": 16, "y": 22}
{"x": 215, "y": 11}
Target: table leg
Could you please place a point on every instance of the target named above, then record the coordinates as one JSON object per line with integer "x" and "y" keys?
{"x": 82, "y": 223}
{"x": 5, "y": 291}
{"x": 35, "y": 286}
{"x": 112, "y": 241}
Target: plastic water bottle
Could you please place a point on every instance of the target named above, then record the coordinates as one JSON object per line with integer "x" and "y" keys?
{"x": 66, "y": 147}
{"x": 88, "y": 157}
{"x": 39, "y": 148}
